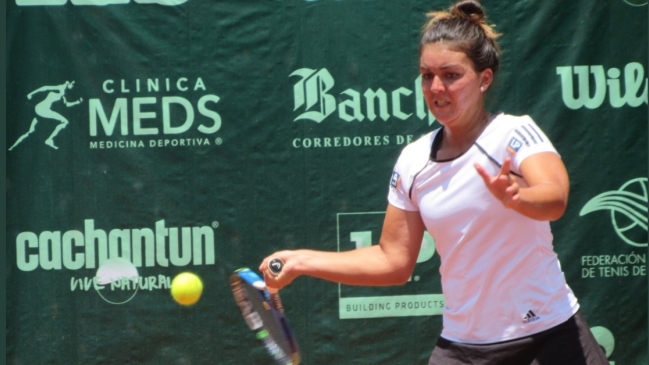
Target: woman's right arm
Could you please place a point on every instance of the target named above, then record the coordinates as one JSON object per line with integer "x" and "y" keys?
{"x": 389, "y": 263}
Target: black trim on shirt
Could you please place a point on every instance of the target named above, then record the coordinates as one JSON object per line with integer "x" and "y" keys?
{"x": 494, "y": 160}
{"x": 437, "y": 143}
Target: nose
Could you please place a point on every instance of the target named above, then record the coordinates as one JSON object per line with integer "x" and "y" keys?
{"x": 436, "y": 85}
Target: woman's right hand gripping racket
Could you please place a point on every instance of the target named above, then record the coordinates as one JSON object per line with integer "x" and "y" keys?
{"x": 263, "y": 311}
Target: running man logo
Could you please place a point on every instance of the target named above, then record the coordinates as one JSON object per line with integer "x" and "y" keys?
{"x": 44, "y": 110}
{"x": 628, "y": 207}
{"x": 96, "y": 2}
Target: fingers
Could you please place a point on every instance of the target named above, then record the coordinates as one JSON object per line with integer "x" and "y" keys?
{"x": 503, "y": 174}
{"x": 483, "y": 173}
{"x": 270, "y": 278}
{"x": 504, "y": 186}
{"x": 282, "y": 255}
{"x": 505, "y": 168}
{"x": 282, "y": 279}
{"x": 511, "y": 196}
{"x": 264, "y": 264}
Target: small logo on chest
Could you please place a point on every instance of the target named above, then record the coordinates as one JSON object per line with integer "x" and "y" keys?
{"x": 530, "y": 317}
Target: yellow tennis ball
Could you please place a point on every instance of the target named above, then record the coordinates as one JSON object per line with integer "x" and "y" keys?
{"x": 186, "y": 288}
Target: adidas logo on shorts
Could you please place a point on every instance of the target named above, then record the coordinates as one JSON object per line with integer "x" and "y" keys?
{"x": 530, "y": 317}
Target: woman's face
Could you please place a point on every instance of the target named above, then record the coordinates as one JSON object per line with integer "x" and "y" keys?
{"x": 451, "y": 86}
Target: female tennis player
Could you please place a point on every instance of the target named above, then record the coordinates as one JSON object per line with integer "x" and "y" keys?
{"x": 485, "y": 186}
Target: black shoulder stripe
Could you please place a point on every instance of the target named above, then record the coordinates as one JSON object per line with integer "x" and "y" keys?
{"x": 529, "y": 134}
{"x": 527, "y": 143}
{"x": 493, "y": 159}
{"x": 536, "y": 132}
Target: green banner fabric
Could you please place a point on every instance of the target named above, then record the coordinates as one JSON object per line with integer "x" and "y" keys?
{"x": 152, "y": 137}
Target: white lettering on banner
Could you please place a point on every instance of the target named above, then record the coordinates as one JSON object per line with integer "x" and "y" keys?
{"x": 176, "y": 142}
{"x": 345, "y": 141}
{"x": 74, "y": 249}
{"x": 387, "y": 304}
{"x": 144, "y": 109}
{"x": 312, "y": 94}
{"x": 391, "y": 306}
{"x": 140, "y": 112}
{"x": 97, "y": 2}
{"x": 152, "y": 85}
{"x": 138, "y": 282}
{"x": 592, "y": 83}
{"x": 167, "y": 115}
{"x": 131, "y": 113}
{"x": 314, "y": 86}
{"x": 607, "y": 266}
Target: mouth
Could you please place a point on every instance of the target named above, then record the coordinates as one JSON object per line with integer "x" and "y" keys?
{"x": 441, "y": 104}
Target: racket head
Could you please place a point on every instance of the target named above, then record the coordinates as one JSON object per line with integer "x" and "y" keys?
{"x": 270, "y": 326}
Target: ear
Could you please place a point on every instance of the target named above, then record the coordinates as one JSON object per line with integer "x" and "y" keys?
{"x": 486, "y": 77}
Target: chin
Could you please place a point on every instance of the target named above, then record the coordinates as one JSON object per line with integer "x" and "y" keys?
{"x": 442, "y": 118}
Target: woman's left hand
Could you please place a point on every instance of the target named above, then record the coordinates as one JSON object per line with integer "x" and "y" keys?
{"x": 543, "y": 192}
{"x": 505, "y": 186}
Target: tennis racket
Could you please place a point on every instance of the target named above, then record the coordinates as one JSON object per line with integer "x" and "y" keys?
{"x": 262, "y": 309}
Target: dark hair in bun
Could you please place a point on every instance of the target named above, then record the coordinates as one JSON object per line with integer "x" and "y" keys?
{"x": 468, "y": 9}
{"x": 464, "y": 26}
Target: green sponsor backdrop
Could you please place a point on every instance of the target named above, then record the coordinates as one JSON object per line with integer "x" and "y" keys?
{"x": 204, "y": 135}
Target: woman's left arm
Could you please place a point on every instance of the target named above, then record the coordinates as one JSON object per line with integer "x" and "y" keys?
{"x": 542, "y": 194}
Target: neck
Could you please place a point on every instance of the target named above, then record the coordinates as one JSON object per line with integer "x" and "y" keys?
{"x": 466, "y": 133}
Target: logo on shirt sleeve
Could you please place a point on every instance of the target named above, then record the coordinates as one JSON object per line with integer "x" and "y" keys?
{"x": 394, "y": 181}
{"x": 514, "y": 145}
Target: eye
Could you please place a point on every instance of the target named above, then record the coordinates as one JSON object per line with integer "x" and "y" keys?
{"x": 452, "y": 75}
{"x": 426, "y": 76}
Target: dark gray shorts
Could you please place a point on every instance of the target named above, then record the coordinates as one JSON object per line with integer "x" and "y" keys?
{"x": 570, "y": 343}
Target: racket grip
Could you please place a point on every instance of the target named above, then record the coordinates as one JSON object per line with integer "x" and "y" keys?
{"x": 275, "y": 301}
{"x": 275, "y": 266}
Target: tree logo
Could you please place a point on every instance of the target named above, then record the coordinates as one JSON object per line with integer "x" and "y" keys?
{"x": 628, "y": 207}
